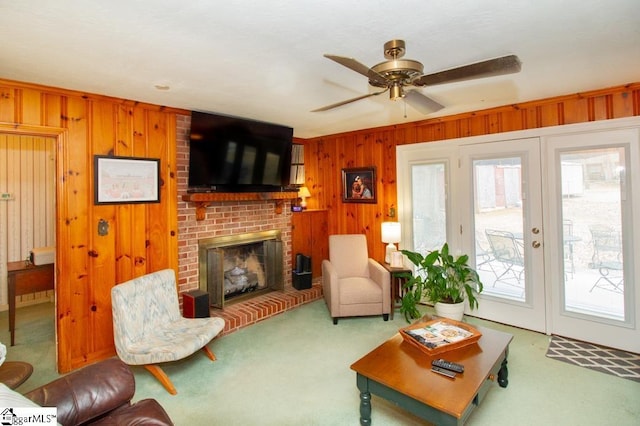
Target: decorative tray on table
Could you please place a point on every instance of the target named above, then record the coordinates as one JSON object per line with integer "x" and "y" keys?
{"x": 440, "y": 335}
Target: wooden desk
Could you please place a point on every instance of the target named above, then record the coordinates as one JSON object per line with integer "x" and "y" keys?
{"x": 402, "y": 374}
{"x": 25, "y": 278}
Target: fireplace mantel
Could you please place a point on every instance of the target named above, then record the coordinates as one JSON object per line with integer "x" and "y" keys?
{"x": 203, "y": 199}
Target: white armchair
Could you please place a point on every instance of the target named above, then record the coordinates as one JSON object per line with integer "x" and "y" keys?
{"x": 352, "y": 283}
{"x": 148, "y": 327}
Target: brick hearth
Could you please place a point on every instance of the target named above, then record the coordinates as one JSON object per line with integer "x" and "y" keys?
{"x": 251, "y": 311}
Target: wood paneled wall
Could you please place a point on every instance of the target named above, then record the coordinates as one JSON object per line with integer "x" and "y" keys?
{"x": 142, "y": 238}
{"x": 326, "y": 156}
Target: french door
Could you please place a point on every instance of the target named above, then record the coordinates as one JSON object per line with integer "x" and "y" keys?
{"x": 548, "y": 221}
{"x": 501, "y": 224}
{"x": 593, "y": 250}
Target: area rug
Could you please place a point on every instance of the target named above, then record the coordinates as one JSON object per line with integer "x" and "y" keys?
{"x": 606, "y": 360}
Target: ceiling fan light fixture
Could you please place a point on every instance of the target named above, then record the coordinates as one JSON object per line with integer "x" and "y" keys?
{"x": 396, "y": 92}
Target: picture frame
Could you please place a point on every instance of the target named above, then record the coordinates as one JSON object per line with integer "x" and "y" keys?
{"x": 359, "y": 185}
{"x": 126, "y": 180}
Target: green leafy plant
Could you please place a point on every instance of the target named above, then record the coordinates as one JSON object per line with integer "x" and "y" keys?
{"x": 440, "y": 277}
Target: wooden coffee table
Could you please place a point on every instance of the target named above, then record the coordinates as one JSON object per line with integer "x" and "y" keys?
{"x": 401, "y": 373}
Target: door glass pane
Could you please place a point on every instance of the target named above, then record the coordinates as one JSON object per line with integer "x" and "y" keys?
{"x": 498, "y": 224}
{"x": 592, "y": 188}
{"x": 429, "y": 206}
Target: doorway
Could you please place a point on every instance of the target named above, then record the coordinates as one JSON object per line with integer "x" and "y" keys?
{"x": 55, "y": 140}
{"x": 547, "y": 219}
{"x": 28, "y": 202}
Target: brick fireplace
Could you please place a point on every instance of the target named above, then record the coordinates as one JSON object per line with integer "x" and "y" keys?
{"x": 230, "y": 218}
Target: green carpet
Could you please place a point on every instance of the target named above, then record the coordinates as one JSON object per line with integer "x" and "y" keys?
{"x": 293, "y": 369}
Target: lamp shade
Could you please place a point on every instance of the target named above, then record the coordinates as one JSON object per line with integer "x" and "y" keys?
{"x": 391, "y": 232}
{"x": 303, "y": 192}
{"x": 390, "y": 235}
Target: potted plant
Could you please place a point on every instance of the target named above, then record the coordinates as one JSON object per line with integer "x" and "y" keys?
{"x": 444, "y": 280}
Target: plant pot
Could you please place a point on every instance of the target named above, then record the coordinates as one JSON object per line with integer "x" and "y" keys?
{"x": 454, "y": 311}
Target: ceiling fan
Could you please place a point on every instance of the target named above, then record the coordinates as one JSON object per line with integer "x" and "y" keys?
{"x": 396, "y": 74}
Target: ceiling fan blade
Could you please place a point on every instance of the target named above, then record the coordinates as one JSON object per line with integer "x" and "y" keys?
{"x": 422, "y": 103}
{"x": 348, "y": 101}
{"x": 492, "y": 67}
{"x": 359, "y": 68}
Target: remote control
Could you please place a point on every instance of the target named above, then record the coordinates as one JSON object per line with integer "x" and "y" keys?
{"x": 458, "y": 368}
{"x": 450, "y": 374}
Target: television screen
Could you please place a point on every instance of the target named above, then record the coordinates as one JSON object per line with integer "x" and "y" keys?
{"x": 233, "y": 154}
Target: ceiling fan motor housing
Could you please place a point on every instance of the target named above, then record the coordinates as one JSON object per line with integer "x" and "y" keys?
{"x": 394, "y": 49}
{"x": 397, "y": 72}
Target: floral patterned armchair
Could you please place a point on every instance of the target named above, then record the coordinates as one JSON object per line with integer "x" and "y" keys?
{"x": 149, "y": 328}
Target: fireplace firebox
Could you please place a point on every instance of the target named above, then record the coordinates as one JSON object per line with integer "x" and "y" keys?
{"x": 237, "y": 267}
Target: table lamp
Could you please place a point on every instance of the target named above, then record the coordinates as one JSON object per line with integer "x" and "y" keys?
{"x": 391, "y": 235}
{"x": 303, "y": 194}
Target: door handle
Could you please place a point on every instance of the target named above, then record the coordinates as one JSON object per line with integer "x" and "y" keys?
{"x": 535, "y": 244}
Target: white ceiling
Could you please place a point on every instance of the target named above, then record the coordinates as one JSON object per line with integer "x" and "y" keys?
{"x": 263, "y": 59}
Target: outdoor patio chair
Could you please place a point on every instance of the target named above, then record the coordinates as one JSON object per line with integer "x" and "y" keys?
{"x": 484, "y": 257}
{"x": 567, "y": 234}
{"x": 607, "y": 258}
{"x": 507, "y": 251}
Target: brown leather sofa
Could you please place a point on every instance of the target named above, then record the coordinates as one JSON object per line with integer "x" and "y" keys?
{"x": 99, "y": 394}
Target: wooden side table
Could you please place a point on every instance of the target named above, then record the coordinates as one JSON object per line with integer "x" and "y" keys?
{"x": 25, "y": 278}
{"x": 397, "y": 282}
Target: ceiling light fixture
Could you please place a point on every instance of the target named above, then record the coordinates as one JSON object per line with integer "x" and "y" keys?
{"x": 396, "y": 92}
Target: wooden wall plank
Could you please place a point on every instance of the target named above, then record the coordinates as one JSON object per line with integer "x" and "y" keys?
{"x": 512, "y": 119}
{"x": 576, "y": 110}
{"x": 160, "y": 219}
{"x": 52, "y": 114}
{"x": 102, "y": 256}
{"x": 124, "y": 248}
{"x": 31, "y": 108}
{"x": 7, "y": 104}
{"x": 623, "y": 104}
{"x": 169, "y": 176}
{"x": 138, "y": 218}
{"x": 601, "y": 108}
{"x": 76, "y": 319}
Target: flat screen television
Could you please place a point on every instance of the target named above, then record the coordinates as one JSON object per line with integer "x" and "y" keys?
{"x": 233, "y": 154}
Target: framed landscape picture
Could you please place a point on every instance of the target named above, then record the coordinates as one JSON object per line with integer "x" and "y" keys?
{"x": 359, "y": 185}
{"x": 126, "y": 180}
